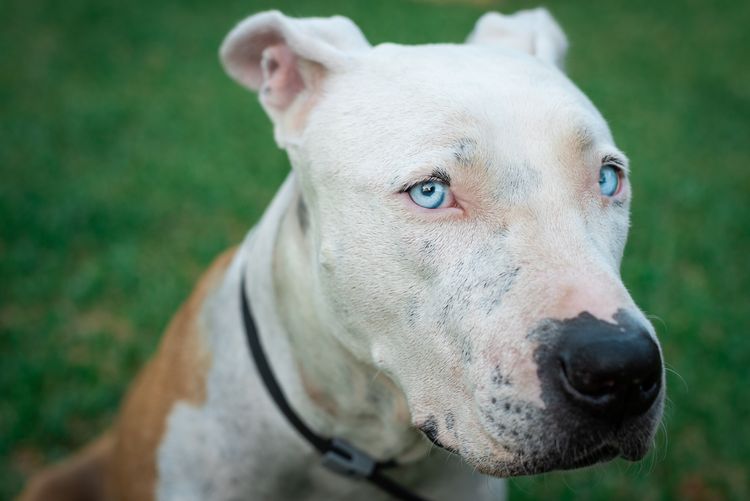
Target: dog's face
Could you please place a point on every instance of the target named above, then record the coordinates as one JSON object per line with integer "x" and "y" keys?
{"x": 468, "y": 209}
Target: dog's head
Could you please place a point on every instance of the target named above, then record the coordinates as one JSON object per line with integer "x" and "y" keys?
{"x": 468, "y": 211}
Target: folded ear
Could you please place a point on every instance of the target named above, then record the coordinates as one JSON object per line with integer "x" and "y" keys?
{"x": 533, "y": 31}
{"x": 287, "y": 60}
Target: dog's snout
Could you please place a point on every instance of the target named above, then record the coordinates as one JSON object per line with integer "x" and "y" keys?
{"x": 611, "y": 370}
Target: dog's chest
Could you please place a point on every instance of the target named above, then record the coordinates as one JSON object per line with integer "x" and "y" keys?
{"x": 206, "y": 457}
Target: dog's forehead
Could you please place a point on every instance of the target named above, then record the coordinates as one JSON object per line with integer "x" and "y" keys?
{"x": 443, "y": 100}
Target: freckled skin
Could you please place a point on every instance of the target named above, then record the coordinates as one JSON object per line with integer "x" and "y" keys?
{"x": 449, "y": 420}
{"x": 582, "y": 439}
{"x": 464, "y": 150}
{"x": 430, "y": 429}
{"x": 302, "y": 215}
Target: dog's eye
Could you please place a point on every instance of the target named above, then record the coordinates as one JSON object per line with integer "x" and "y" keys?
{"x": 430, "y": 194}
{"x": 609, "y": 180}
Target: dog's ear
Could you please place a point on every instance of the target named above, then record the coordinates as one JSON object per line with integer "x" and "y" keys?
{"x": 287, "y": 60}
{"x": 534, "y": 31}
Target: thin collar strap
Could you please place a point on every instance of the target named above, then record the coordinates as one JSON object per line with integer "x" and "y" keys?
{"x": 338, "y": 454}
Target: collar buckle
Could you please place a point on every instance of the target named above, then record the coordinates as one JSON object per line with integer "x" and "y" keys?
{"x": 345, "y": 459}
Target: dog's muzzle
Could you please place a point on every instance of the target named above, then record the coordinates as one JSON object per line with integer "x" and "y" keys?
{"x": 602, "y": 388}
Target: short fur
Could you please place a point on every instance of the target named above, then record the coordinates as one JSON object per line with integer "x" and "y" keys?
{"x": 393, "y": 326}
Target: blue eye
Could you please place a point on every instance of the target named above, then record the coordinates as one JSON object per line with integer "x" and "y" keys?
{"x": 428, "y": 194}
{"x": 609, "y": 180}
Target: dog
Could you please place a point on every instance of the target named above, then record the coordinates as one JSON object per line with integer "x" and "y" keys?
{"x": 435, "y": 286}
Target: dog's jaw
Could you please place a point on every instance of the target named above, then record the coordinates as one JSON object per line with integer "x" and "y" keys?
{"x": 342, "y": 394}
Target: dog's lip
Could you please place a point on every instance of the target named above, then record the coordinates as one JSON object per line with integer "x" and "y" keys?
{"x": 433, "y": 438}
{"x": 536, "y": 465}
{"x": 519, "y": 463}
{"x": 604, "y": 452}
{"x": 634, "y": 451}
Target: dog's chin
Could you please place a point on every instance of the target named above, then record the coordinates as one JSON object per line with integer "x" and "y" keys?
{"x": 634, "y": 451}
{"x": 533, "y": 464}
{"x": 519, "y": 461}
{"x": 559, "y": 444}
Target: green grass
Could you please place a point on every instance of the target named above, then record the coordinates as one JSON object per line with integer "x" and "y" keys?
{"x": 128, "y": 160}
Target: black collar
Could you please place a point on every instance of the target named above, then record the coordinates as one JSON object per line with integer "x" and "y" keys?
{"x": 338, "y": 454}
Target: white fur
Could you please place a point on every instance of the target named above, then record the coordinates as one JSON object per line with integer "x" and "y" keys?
{"x": 532, "y": 31}
{"x": 378, "y": 316}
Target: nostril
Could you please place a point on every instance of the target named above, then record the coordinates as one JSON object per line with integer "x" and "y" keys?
{"x": 603, "y": 388}
{"x": 580, "y": 387}
{"x": 649, "y": 388}
{"x": 648, "y": 384}
{"x": 586, "y": 382}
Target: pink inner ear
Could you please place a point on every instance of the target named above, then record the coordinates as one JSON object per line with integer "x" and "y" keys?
{"x": 282, "y": 81}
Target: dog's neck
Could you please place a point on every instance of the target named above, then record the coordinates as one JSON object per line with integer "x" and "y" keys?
{"x": 335, "y": 393}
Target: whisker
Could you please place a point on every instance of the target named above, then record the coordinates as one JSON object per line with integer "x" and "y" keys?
{"x": 663, "y": 429}
{"x": 658, "y": 319}
{"x": 667, "y": 368}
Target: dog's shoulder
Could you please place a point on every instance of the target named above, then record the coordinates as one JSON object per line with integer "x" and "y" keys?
{"x": 176, "y": 373}
{"x": 123, "y": 460}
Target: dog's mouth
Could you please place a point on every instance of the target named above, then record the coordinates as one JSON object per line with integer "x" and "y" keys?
{"x": 524, "y": 452}
{"x": 532, "y": 462}
{"x": 605, "y": 452}
{"x": 537, "y": 463}
{"x": 429, "y": 430}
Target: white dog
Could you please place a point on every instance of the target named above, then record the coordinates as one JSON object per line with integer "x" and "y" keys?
{"x": 442, "y": 262}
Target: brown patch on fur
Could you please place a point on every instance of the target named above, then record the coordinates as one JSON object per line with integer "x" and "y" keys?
{"x": 122, "y": 464}
{"x": 176, "y": 373}
{"x": 80, "y": 478}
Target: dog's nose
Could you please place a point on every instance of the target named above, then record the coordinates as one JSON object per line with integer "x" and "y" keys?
{"x": 611, "y": 370}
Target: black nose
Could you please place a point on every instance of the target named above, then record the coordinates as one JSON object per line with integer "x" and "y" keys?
{"x": 610, "y": 369}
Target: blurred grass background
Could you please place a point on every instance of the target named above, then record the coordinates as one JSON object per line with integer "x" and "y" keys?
{"x": 128, "y": 160}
